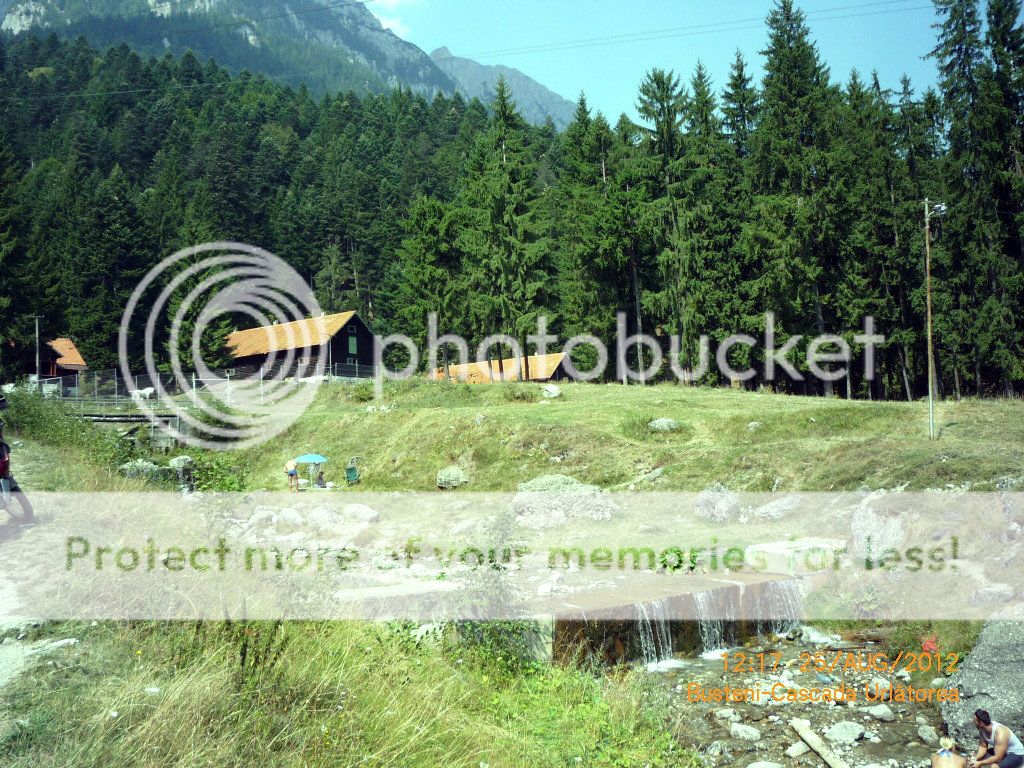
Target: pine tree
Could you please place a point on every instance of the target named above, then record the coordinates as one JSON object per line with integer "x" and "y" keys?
{"x": 789, "y": 150}
{"x": 8, "y": 256}
{"x": 740, "y": 106}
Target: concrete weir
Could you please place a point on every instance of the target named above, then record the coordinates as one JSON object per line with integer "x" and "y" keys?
{"x": 652, "y": 621}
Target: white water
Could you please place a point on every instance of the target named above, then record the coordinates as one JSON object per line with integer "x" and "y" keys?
{"x": 655, "y": 633}
{"x": 712, "y": 628}
{"x": 781, "y": 602}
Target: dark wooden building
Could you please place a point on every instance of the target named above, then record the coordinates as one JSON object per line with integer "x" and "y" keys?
{"x": 343, "y": 339}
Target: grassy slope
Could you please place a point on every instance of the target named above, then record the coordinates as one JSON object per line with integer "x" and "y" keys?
{"x": 600, "y": 434}
{"x": 324, "y": 694}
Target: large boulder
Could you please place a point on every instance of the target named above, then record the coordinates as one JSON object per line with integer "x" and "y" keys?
{"x": 873, "y": 529}
{"x": 664, "y": 425}
{"x": 717, "y": 503}
{"x": 990, "y": 678}
{"x": 551, "y": 500}
{"x": 845, "y": 732}
{"x": 451, "y": 477}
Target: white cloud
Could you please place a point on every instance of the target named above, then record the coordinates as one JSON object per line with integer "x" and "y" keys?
{"x": 395, "y": 24}
{"x": 384, "y": 10}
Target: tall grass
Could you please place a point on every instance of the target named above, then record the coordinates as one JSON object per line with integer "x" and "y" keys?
{"x": 323, "y": 694}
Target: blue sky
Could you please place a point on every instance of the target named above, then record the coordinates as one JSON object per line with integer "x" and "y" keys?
{"x": 891, "y": 36}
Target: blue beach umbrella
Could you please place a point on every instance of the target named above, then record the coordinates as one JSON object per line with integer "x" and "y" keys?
{"x": 311, "y": 458}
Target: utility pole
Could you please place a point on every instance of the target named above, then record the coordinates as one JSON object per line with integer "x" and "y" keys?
{"x": 39, "y": 380}
{"x": 930, "y": 210}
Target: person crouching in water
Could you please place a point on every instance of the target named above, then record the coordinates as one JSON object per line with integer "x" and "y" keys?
{"x": 997, "y": 744}
{"x": 947, "y": 756}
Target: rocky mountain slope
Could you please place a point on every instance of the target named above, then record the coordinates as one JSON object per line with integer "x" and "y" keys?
{"x": 479, "y": 80}
{"x": 329, "y": 45}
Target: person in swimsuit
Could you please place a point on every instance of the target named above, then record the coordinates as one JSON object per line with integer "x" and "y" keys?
{"x": 997, "y": 744}
{"x": 291, "y": 469}
{"x": 947, "y": 756}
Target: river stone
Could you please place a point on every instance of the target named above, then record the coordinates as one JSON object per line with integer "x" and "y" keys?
{"x": 882, "y": 712}
{"x": 717, "y": 503}
{"x": 141, "y": 468}
{"x": 845, "y": 732}
{"x": 450, "y": 477}
{"x": 765, "y": 764}
{"x": 551, "y": 500}
{"x": 744, "y": 732}
{"x": 362, "y": 513}
{"x": 795, "y": 750}
{"x": 728, "y": 714}
{"x": 663, "y": 425}
{"x": 180, "y": 463}
{"x": 874, "y": 531}
{"x": 991, "y": 677}
{"x": 551, "y": 391}
{"x": 928, "y": 735}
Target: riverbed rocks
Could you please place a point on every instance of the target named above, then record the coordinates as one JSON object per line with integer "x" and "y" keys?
{"x": 928, "y": 734}
{"x": 991, "y": 678}
{"x": 552, "y": 500}
{"x": 845, "y": 732}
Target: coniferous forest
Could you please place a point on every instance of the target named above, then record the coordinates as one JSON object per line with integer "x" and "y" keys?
{"x": 799, "y": 194}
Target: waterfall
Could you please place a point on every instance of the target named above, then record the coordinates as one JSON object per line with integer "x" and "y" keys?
{"x": 780, "y": 605}
{"x": 654, "y": 631}
{"x": 712, "y": 628}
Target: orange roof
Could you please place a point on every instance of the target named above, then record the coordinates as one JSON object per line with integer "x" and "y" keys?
{"x": 542, "y": 368}
{"x": 298, "y": 334}
{"x": 68, "y": 355}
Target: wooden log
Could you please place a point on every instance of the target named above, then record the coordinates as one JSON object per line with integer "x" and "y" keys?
{"x": 812, "y": 740}
{"x": 873, "y": 635}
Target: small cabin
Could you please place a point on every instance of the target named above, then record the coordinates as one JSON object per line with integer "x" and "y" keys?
{"x": 342, "y": 339}
{"x": 60, "y": 357}
{"x": 549, "y": 367}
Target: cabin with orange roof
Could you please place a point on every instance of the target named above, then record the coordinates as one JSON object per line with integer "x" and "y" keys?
{"x": 60, "y": 357}
{"x": 342, "y": 339}
{"x": 547, "y": 367}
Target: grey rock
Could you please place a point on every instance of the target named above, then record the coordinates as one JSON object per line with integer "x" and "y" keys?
{"x": 993, "y": 593}
{"x": 717, "y": 503}
{"x": 744, "y": 732}
{"x": 797, "y": 749}
{"x": 765, "y": 764}
{"x": 551, "y": 500}
{"x": 362, "y": 513}
{"x": 872, "y": 530}
{"x": 451, "y": 477}
{"x": 551, "y": 391}
{"x": 663, "y": 425}
{"x": 142, "y": 469}
{"x": 728, "y": 714}
{"x": 928, "y": 735}
{"x": 882, "y": 712}
{"x": 181, "y": 463}
{"x": 845, "y": 732}
{"x": 991, "y": 677}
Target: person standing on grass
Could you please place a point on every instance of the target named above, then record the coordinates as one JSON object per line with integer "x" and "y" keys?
{"x": 291, "y": 469}
{"x": 997, "y": 744}
{"x": 8, "y": 485}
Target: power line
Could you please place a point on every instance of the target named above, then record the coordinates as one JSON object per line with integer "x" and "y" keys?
{"x": 650, "y": 34}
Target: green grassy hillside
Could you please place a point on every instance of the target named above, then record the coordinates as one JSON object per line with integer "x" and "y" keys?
{"x": 503, "y": 434}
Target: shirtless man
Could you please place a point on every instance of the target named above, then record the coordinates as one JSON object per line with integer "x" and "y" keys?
{"x": 997, "y": 744}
